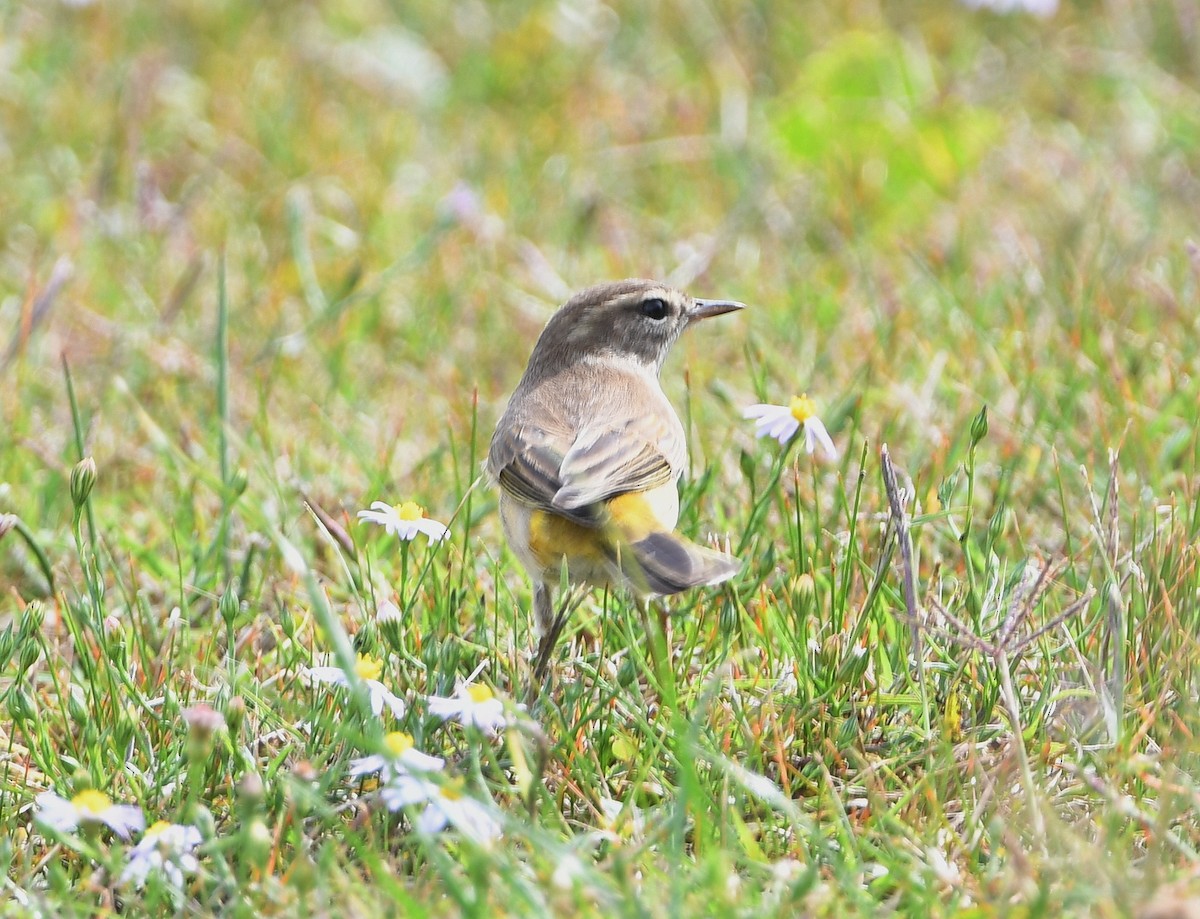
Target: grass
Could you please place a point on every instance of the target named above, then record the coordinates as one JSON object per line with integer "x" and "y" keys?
{"x": 269, "y": 263}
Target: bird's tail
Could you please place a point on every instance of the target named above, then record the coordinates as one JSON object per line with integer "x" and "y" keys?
{"x": 667, "y": 563}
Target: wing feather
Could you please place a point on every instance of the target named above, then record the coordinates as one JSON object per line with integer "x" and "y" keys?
{"x": 543, "y": 469}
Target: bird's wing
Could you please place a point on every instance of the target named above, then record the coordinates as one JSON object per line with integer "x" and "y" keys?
{"x": 570, "y": 474}
{"x": 607, "y": 460}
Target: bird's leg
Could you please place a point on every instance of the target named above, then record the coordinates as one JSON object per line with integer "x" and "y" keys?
{"x": 543, "y": 610}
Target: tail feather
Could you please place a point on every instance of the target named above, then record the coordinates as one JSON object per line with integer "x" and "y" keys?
{"x": 667, "y": 563}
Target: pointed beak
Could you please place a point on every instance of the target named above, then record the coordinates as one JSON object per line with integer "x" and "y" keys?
{"x": 706, "y": 309}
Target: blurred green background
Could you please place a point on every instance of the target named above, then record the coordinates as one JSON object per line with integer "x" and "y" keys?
{"x": 927, "y": 207}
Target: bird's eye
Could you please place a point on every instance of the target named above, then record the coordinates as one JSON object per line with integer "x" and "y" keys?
{"x": 654, "y": 308}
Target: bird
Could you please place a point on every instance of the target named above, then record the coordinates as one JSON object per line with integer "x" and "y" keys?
{"x": 588, "y": 452}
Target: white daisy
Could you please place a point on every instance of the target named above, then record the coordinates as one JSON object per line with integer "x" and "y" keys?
{"x": 368, "y": 670}
{"x": 473, "y": 706}
{"x": 444, "y": 804}
{"x": 400, "y": 758}
{"x": 404, "y": 520}
{"x": 88, "y": 806}
{"x": 783, "y": 421}
{"x": 166, "y": 848}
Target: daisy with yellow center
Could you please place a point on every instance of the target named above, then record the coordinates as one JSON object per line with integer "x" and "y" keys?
{"x": 368, "y": 670}
{"x": 405, "y": 520}
{"x": 400, "y": 757}
{"x": 445, "y": 804}
{"x": 88, "y": 807}
{"x": 165, "y": 849}
{"x": 473, "y": 705}
{"x": 782, "y": 422}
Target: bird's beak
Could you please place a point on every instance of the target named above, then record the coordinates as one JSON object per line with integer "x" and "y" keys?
{"x": 706, "y": 309}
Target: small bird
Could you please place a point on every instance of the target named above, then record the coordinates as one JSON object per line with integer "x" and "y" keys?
{"x": 588, "y": 451}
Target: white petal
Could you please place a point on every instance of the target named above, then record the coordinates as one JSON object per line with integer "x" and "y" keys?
{"x": 56, "y": 812}
{"x": 765, "y": 410}
{"x": 431, "y": 528}
{"x": 124, "y": 819}
{"x": 383, "y": 518}
{"x": 388, "y": 612}
{"x": 422, "y": 762}
{"x": 816, "y": 433}
{"x": 445, "y": 707}
{"x": 174, "y": 875}
{"x": 381, "y": 696}
{"x": 137, "y": 868}
{"x": 376, "y": 697}
{"x": 472, "y": 819}
{"x": 328, "y": 675}
{"x": 405, "y": 790}
{"x": 366, "y": 765}
{"x": 782, "y": 428}
{"x": 432, "y": 819}
{"x": 488, "y": 716}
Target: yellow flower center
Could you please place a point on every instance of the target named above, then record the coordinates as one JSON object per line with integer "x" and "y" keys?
{"x": 91, "y": 803}
{"x": 157, "y": 829}
{"x": 451, "y": 792}
{"x": 368, "y": 668}
{"x": 803, "y": 408}
{"x": 480, "y": 693}
{"x": 398, "y": 743}
{"x": 410, "y": 510}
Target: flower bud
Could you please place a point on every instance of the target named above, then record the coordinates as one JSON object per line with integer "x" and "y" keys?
{"x": 29, "y": 651}
{"x": 83, "y": 479}
{"x": 32, "y": 618}
{"x": 77, "y": 709}
{"x": 979, "y": 427}
{"x": 229, "y": 607}
{"x": 238, "y": 480}
{"x": 235, "y": 714}
{"x": 7, "y": 522}
{"x": 124, "y": 727}
{"x": 250, "y": 790}
{"x": 203, "y": 721}
{"x": 390, "y": 621}
{"x": 20, "y": 706}
{"x": 7, "y": 642}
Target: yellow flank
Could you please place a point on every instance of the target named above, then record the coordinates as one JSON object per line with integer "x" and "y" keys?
{"x": 633, "y": 516}
{"x": 551, "y": 537}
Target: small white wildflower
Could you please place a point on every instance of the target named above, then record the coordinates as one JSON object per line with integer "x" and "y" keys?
{"x": 473, "y": 706}
{"x": 444, "y": 804}
{"x": 204, "y": 720}
{"x": 368, "y": 670}
{"x": 783, "y": 421}
{"x": 400, "y": 759}
{"x": 388, "y": 612}
{"x": 166, "y": 848}
{"x": 88, "y": 806}
{"x": 404, "y": 520}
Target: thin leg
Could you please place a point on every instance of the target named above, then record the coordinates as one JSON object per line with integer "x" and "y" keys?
{"x": 550, "y": 635}
{"x": 543, "y": 610}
